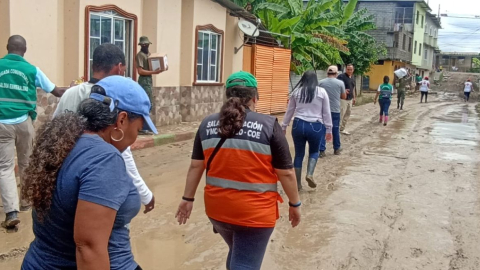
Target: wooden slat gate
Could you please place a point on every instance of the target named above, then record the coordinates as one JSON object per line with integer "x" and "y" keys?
{"x": 271, "y": 67}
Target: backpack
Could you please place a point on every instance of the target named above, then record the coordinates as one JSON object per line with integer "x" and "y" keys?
{"x": 386, "y": 91}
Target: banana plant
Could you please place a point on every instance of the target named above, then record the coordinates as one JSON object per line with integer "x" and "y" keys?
{"x": 319, "y": 30}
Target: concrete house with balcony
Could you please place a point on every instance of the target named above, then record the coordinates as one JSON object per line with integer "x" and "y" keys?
{"x": 400, "y": 27}
{"x": 430, "y": 45}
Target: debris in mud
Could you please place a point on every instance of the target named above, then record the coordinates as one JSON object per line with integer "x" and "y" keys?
{"x": 330, "y": 186}
{"x": 432, "y": 170}
{"x": 416, "y": 252}
{"x": 383, "y": 155}
{"x": 14, "y": 253}
{"x": 458, "y": 260}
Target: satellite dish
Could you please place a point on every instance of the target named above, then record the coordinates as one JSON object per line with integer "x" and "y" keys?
{"x": 248, "y": 28}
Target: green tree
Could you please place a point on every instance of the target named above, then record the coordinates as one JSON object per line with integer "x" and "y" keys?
{"x": 314, "y": 41}
{"x": 322, "y": 32}
{"x": 475, "y": 65}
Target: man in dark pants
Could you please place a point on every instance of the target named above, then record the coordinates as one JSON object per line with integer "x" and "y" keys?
{"x": 336, "y": 92}
{"x": 418, "y": 79}
{"x": 145, "y": 78}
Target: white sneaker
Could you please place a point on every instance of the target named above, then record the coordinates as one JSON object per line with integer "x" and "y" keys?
{"x": 345, "y": 132}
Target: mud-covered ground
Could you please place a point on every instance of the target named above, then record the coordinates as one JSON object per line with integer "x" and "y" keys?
{"x": 405, "y": 196}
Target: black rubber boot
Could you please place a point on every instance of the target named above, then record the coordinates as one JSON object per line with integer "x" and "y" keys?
{"x": 298, "y": 174}
{"x": 312, "y": 163}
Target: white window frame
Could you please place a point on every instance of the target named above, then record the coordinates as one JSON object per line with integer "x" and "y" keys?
{"x": 425, "y": 52}
{"x": 218, "y": 51}
{"x": 113, "y": 16}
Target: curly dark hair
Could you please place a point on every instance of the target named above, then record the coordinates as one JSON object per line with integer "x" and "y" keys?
{"x": 54, "y": 142}
{"x": 233, "y": 112}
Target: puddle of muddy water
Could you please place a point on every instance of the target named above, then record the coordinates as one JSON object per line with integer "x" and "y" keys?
{"x": 457, "y": 127}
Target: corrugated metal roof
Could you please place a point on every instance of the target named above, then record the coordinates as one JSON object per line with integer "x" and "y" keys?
{"x": 238, "y": 11}
{"x": 422, "y": 2}
{"x": 460, "y": 54}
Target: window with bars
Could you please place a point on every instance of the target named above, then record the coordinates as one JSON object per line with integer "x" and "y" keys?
{"x": 111, "y": 27}
{"x": 208, "y": 56}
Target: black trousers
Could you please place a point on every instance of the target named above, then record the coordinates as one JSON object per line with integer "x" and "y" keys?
{"x": 426, "y": 96}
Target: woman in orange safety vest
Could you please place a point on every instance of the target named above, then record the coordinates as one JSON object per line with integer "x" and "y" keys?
{"x": 244, "y": 154}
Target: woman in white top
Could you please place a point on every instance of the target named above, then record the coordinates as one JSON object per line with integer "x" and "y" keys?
{"x": 424, "y": 86}
{"x": 311, "y": 107}
{"x": 468, "y": 88}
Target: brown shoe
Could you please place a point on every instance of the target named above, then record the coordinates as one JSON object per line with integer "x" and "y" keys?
{"x": 11, "y": 220}
{"x": 310, "y": 181}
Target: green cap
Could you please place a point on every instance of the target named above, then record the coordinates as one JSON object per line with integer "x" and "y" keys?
{"x": 144, "y": 40}
{"x": 241, "y": 78}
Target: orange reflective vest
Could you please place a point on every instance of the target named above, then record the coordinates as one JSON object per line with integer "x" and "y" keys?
{"x": 241, "y": 183}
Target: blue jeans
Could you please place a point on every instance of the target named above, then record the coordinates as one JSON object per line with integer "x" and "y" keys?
{"x": 384, "y": 106}
{"x": 303, "y": 132}
{"x": 335, "y": 134}
{"x": 246, "y": 245}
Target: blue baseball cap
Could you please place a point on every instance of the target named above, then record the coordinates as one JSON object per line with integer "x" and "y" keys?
{"x": 126, "y": 95}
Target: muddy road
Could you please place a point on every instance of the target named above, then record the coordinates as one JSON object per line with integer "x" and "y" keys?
{"x": 405, "y": 196}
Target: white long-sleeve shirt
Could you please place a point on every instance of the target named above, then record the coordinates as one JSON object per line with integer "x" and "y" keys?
{"x": 316, "y": 111}
{"x": 132, "y": 171}
{"x": 70, "y": 101}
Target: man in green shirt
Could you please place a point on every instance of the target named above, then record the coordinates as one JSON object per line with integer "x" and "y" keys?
{"x": 19, "y": 81}
{"x": 143, "y": 69}
{"x": 418, "y": 79}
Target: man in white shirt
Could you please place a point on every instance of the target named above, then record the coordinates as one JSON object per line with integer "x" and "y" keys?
{"x": 468, "y": 88}
{"x": 424, "y": 87}
{"x": 108, "y": 60}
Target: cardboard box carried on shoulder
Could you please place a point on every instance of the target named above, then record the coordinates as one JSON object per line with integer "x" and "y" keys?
{"x": 158, "y": 61}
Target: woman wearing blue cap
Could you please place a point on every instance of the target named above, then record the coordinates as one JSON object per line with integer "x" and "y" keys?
{"x": 83, "y": 199}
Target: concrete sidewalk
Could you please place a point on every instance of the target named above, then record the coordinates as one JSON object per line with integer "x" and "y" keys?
{"x": 168, "y": 134}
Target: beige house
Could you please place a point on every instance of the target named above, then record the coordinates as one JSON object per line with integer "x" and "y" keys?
{"x": 199, "y": 37}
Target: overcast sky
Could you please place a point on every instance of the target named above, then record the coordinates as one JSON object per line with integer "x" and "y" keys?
{"x": 458, "y": 34}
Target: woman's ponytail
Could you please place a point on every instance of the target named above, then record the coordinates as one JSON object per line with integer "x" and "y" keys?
{"x": 232, "y": 116}
{"x": 234, "y": 111}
